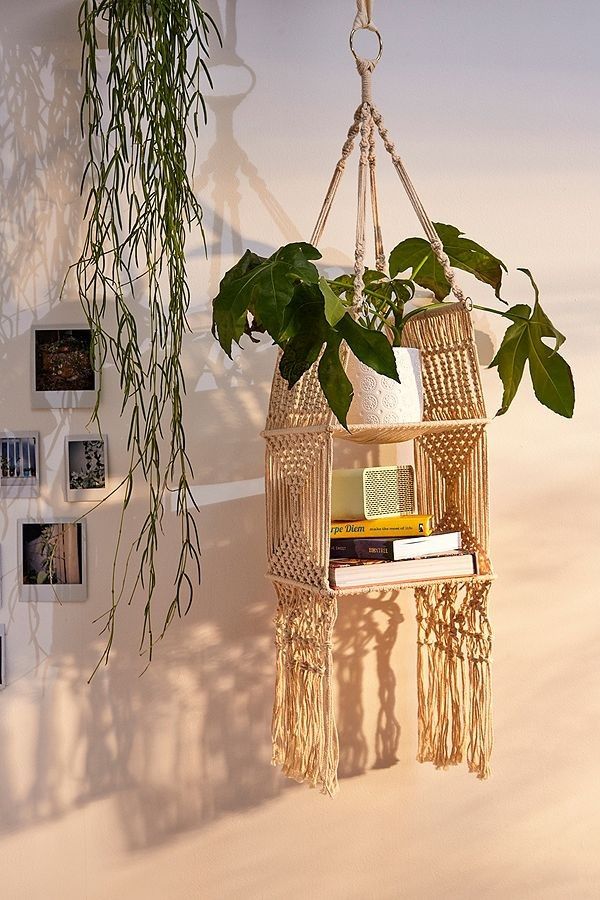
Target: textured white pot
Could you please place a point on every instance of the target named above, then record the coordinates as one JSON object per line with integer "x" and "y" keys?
{"x": 379, "y": 400}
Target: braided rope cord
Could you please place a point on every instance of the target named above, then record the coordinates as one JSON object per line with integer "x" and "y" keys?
{"x": 367, "y": 120}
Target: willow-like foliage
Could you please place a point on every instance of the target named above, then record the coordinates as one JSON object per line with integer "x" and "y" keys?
{"x": 140, "y": 128}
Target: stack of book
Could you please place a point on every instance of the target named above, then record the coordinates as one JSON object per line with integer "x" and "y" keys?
{"x": 393, "y": 550}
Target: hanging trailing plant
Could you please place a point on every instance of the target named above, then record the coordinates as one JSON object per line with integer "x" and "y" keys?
{"x": 140, "y": 208}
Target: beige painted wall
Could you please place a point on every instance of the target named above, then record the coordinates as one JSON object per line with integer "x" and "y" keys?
{"x": 160, "y": 787}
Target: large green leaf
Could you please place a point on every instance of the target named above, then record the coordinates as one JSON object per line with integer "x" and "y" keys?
{"x": 334, "y": 382}
{"x": 297, "y": 256}
{"x": 262, "y": 287}
{"x": 334, "y": 308}
{"x": 523, "y": 342}
{"x": 512, "y": 354}
{"x": 416, "y": 254}
{"x": 540, "y": 318}
{"x": 228, "y": 325}
{"x": 371, "y": 347}
{"x": 306, "y": 330}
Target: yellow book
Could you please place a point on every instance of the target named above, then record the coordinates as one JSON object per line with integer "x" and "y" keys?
{"x": 388, "y": 527}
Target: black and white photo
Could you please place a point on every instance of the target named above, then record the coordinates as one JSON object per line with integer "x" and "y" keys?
{"x": 86, "y": 467}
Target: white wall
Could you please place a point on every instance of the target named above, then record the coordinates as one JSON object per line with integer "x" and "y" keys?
{"x": 160, "y": 787}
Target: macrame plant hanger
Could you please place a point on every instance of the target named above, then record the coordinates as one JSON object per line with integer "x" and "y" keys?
{"x": 453, "y": 632}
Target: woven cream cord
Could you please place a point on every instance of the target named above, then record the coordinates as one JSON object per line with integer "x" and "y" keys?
{"x": 454, "y": 642}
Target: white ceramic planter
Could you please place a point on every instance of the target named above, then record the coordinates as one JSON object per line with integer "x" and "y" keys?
{"x": 379, "y": 400}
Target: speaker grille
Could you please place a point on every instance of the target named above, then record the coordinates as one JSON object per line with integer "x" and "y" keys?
{"x": 389, "y": 491}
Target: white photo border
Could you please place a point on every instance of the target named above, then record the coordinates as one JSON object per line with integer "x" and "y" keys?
{"x": 59, "y": 399}
{"x": 53, "y": 592}
{"x": 27, "y": 488}
{"x": 89, "y": 495}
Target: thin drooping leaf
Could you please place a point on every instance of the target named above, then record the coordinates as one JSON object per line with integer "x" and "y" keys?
{"x": 138, "y": 114}
{"x": 416, "y": 254}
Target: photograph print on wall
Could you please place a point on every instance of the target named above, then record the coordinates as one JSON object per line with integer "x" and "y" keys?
{"x": 19, "y": 464}
{"x": 86, "y": 467}
{"x": 62, "y": 371}
{"x": 52, "y": 559}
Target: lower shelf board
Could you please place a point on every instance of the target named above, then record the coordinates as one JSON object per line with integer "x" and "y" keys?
{"x": 381, "y": 588}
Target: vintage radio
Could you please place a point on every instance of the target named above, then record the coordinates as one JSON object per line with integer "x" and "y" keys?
{"x": 372, "y": 492}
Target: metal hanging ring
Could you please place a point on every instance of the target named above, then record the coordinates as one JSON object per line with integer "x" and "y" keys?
{"x": 374, "y": 31}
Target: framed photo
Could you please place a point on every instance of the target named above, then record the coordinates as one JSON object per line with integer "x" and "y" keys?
{"x": 86, "y": 467}
{"x": 2, "y": 657}
{"x": 52, "y": 559}
{"x": 19, "y": 464}
{"x": 63, "y": 376}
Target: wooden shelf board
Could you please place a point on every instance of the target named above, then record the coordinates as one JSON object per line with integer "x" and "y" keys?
{"x": 394, "y": 434}
{"x": 379, "y": 588}
{"x": 382, "y": 588}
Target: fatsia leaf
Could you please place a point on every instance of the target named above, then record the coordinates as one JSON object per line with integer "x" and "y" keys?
{"x": 540, "y": 318}
{"x": 298, "y": 256}
{"x": 523, "y": 342}
{"x": 552, "y": 378}
{"x": 416, "y": 254}
{"x": 263, "y": 287}
{"x": 371, "y": 347}
{"x": 512, "y": 355}
{"x": 334, "y": 382}
{"x": 342, "y": 284}
{"x": 306, "y": 330}
{"x": 334, "y": 308}
{"x": 228, "y": 326}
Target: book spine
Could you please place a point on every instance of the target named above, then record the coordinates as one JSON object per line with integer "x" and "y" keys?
{"x": 351, "y": 549}
{"x": 405, "y": 526}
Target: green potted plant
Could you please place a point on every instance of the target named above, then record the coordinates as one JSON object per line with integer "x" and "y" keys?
{"x": 310, "y": 316}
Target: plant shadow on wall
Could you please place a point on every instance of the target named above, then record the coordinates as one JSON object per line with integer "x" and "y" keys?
{"x": 366, "y": 626}
{"x": 40, "y": 174}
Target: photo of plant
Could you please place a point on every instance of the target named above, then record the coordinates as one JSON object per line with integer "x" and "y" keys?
{"x": 86, "y": 467}
{"x": 19, "y": 464}
{"x": 63, "y": 372}
{"x": 52, "y": 553}
{"x": 86, "y": 464}
{"x": 62, "y": 360}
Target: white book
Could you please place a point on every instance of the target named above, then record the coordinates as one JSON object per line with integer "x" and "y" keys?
{"x": 362, "y": 573}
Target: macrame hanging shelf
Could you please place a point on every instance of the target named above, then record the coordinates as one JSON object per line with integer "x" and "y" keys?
{"x": 453, "y": 676}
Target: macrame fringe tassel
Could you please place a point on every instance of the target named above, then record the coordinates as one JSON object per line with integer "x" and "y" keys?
{"x": 305, "y": 742}
{"x": 453, "y": 677}
{"x": 479, "y": 644}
